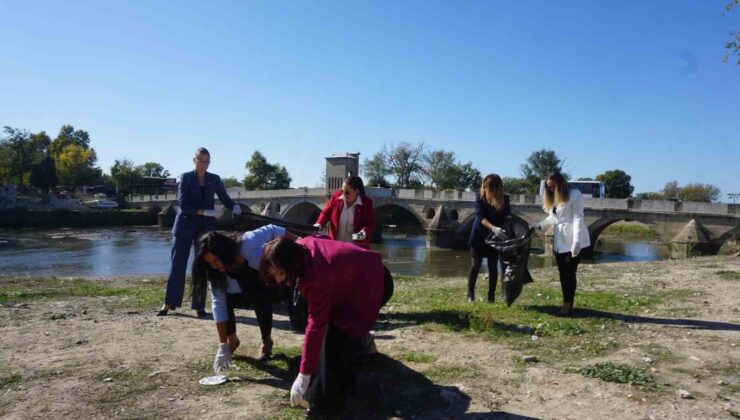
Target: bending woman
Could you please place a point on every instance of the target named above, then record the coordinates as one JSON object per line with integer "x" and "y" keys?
{"x": 345, "y": 287}
{"x": 350, "y": 214}
{"x": 228, "y": 261}
{"x": 196, "y": 215}
{"x": 491, "y": 210}
{"x": 564, "y": 206}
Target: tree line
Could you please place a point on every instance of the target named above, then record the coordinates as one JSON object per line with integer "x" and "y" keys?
{"x": 35, "y": 160}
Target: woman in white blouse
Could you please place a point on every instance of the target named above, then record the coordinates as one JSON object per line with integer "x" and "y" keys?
{"x": 564, "y": 206}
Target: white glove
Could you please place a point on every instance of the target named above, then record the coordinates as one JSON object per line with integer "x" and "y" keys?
{"x": 317, "y": 226}
{"x": 359, "y": 236}
{"x": 223, "y": 358}
{"x": 575, "y": 249}
{"x": 237, "y": 210}
{"x": 496, "y": 230}
{"x": 300, "y": 385}
{"x": 213, "y": 213}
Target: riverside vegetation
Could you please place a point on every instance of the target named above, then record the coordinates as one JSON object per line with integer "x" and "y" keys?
{"x": 648, "y": 340}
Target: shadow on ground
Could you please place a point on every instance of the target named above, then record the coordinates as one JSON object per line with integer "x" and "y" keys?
{"x": 637, "y": 319}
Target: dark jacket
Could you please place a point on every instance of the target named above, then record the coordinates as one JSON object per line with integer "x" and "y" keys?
{"x": 191, "y": 198}
{"x": 483, "y": 210}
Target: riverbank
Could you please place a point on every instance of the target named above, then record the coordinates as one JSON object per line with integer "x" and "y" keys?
{"x": 50, "y": 219}
{"x": 94, "y": 349}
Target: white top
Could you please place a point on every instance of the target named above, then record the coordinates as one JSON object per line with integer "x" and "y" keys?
{"x": 347, "y": 220}
{"x": 569, "y": 224}
{"x": 253, "y": 243}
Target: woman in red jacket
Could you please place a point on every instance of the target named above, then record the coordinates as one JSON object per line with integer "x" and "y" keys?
{"x": 345, "y": 287}
{"x": 350, "y": 214}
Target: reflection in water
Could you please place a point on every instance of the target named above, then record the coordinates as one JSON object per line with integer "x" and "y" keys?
{"x": 146, "y": 251}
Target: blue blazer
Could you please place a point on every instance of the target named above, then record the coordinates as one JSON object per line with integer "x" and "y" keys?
{"x": 484, "y": 210}
{"x": 191, "y": 198}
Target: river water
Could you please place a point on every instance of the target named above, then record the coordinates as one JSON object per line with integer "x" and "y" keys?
{"x": 146, "y": 251}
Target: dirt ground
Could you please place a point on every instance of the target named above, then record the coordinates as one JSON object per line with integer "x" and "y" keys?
{"x": 107, "y": 356}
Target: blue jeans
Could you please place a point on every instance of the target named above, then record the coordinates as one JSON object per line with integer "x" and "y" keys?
{"x": 176, "y": 279}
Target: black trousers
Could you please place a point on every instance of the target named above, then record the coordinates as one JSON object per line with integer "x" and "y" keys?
{"x": 336, "y": 372}
{"x": 476, "y": 259}
{"x": 567, "y": 266}
{"x": 262, "y": 303}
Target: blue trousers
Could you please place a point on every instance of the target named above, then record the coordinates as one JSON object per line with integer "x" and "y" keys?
{"x": 183, "y": 241}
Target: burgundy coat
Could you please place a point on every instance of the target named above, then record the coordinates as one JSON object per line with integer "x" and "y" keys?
{"x": 343, "y": 284}
{"x": 364, "y": 217}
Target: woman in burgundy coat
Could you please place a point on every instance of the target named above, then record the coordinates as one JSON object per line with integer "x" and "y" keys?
{"x": 350, "y": 214}
{"x": 344, "y": 286}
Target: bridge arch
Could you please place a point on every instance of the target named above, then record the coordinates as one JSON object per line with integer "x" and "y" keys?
{"x": 717, "y": 243}
{"x": 304, "y": 212}
{"x": 385, "y": 210}
{"x": 599, "y": 226}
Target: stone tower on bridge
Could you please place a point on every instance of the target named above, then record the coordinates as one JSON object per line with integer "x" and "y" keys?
{"x": 338, "y": 167}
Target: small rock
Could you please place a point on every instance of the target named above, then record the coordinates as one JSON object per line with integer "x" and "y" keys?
{"x": 153, "y": 374}
{"x": 721, "y": 383}
{"x": 685, "y": 394}
{"x": 535, "y": 338}
{"x": 108, "y": 380}
{"x": 529, "y": 359}
{"x": 647, "y": 360}
{"x": 171, "y": 399}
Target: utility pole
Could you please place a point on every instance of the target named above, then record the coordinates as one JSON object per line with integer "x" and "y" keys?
{"x": 733, "y": 196}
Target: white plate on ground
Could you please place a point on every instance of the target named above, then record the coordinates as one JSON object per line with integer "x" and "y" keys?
{"x": 213, "y": 380}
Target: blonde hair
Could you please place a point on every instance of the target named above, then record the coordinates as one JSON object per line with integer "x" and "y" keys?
{"x": 492, "y": 191}
{"x": 561, "y": 194}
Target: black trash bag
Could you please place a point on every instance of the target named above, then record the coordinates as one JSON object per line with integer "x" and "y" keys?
{"x": 514, "y": 254}
{"x": 297, "y": 311}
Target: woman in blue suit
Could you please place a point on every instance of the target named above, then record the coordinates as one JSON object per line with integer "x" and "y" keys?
{"x": 195, "y": 216}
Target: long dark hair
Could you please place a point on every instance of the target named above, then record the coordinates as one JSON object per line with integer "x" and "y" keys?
{"x": 492, "y": 192}
{"x": 285, "y": 254}
{"x": 356, "y": 183}
{"x": 224, "y": 246}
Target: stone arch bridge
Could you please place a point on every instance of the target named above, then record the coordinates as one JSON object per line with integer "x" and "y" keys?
{"x": 447, "y": 216}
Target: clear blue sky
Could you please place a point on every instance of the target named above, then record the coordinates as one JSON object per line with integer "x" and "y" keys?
{"x": 638, "y": 86}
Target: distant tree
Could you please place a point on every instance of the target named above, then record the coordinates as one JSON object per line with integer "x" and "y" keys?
{"x": 69, "y": 136}
{"x": 75, "y": 166}
{"x": 440, "y": 168}
{"x": 699, "y": 192}
{"x": 375, "y": 170}
{"x": 539, "y": 164}
{"x": 153, "y": 169}
{"x": 732, "y": 47}
{"x": 262, "y": 175}
{"x": 515, "y": 185}
{"x": 670, "y": 190}
{"x": 617, "y": 183}
{"x": 649, "y": 196}
{"x": 125, "y": 174}
{"x": 44, "y": 174}
{"x": 468, "y": 178}
{"x": 21, "y": 153}
{"x": 404, "y": 162}
{"x": 231, "y": 181}
{"x": 75, "y": 159}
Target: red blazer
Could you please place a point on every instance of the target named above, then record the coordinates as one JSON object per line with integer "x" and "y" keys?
{"x": 364, "y": 217}
{"x": 343, "y": 284}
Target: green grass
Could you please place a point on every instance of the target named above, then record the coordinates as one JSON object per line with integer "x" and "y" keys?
{"x": 623, "y": 374}
{"x": 416, "y": 357}
{"x": 630, "y": 229}
{"x": 728, "y": 275}
{"x": 6, "y": 381}
{"x": 140, "y": 294}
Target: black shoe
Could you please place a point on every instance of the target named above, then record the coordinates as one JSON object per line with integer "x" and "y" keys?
{"x": 470, "y": 299}
{"x": 165, "y": 309}
{"x": 202, "y": 313}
